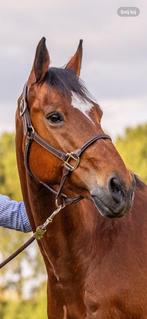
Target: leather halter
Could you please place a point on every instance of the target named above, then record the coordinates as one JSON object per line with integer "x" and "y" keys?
{"x": 70, "y": 163}
{"x": 70, "y": 160}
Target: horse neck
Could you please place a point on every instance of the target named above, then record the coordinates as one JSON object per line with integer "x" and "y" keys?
{"x": 74, "y": 218}
{"x": 70, "y": 236}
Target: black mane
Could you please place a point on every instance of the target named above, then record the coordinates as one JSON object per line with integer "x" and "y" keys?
{"x": 66, "y": 81}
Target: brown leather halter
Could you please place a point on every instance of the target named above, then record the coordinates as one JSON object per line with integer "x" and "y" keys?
{"x": 70, "y": 162}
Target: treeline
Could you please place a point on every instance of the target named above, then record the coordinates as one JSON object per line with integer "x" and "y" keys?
{"x": 22, "y": 293}
{"x": 22, "y": 282}
{"x": 133, "y": 148}
{"x": 34, "y": 308}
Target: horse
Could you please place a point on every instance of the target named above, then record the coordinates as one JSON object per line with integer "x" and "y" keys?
{"x": 95, "y": 251}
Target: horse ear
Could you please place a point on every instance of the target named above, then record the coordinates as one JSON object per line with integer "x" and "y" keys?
{"x": 76, "y": 61}
{"x": 41, "y": 63}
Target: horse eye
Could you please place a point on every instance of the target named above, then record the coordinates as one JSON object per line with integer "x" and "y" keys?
{"x": 55, "y": 117}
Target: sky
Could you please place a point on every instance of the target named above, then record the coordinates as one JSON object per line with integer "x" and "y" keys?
{"x": 114, "y": 66}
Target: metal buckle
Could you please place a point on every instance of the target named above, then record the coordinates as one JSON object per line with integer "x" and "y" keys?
{"x": 22, "y": 106}
{"x": 30, "y": 131}
{"x": 70, "y": 157}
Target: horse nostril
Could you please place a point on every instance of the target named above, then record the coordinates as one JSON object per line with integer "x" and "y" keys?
{"x": 116, "y": 189}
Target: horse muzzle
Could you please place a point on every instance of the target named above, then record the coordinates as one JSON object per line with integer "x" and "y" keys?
{"x": 113, "y": 201}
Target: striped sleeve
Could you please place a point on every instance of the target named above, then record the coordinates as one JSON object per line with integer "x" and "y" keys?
{"x": 13, "y": 214}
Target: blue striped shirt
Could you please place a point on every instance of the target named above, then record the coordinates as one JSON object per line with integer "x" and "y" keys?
{"x": 13, "y": 214}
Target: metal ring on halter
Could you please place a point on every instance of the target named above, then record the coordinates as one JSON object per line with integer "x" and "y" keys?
{"x": 30, "y": 132}
{"x": 59, "y": 205}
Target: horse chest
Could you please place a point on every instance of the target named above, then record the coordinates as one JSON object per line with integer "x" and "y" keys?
{"x": 118, "y": 305}
{"x": 107, "y": 300}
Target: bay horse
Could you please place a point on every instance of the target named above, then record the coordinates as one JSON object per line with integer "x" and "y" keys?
{"x": 96, "y": 261}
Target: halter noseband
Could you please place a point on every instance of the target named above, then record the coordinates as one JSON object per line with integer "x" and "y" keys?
{"x": 71, "y": 160}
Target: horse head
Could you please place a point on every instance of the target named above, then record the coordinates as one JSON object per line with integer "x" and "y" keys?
{"x": 64, "y": 115}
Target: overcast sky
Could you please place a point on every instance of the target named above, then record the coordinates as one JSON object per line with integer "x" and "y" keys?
{"x": 115, "y": 53}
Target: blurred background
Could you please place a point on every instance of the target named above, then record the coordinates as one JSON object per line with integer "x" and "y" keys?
{"x": 114, "y": 71}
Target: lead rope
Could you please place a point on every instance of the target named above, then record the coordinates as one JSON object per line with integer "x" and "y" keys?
{"x": 38, "y": 234}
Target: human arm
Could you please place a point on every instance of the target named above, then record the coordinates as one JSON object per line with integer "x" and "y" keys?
{"x": 13, "y": 214}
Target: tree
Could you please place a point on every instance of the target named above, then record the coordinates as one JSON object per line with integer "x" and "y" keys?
{"x": 9, "y": 180}
{"x": 24, "y": 309}
{"x": 13, "y": 275}
{"x": 133, "y": 149}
